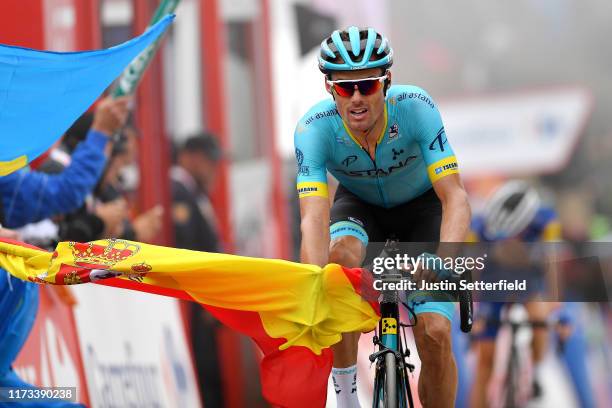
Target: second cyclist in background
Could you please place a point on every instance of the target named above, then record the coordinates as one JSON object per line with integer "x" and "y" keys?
{"x": 514, "y": 217}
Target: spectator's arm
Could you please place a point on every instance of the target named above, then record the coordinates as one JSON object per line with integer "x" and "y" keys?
{"x": 32, "y": 196}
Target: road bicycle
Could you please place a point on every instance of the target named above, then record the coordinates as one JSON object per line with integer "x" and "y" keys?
{"x": 518, "y": 383}
{"x": 391, "y": 381}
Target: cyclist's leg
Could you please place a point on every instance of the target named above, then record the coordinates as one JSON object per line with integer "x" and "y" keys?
{"x": 538, "y": 311}
{"x": 575, "y": 353}
{"x": 461, "y": 345}
{"x": 438, "y": 377}
{"x": 351, "y": 227}
{"x": 484, "y": 331}
{"x": 347, "y": 251}
{"x": 485, "y": 351}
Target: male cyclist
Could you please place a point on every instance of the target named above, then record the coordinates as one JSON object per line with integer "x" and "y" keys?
{"x": 515, "y": 215}
{"x": 397, "y": 175}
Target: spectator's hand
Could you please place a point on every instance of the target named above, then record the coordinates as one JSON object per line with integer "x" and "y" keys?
{"x": 112, "y": 214}
{"x": 147, "y": 225}
{"x": 111, "y": 115}
{"x": 8, "y": 233}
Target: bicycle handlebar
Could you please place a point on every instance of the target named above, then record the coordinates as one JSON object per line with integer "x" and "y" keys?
{"x": 464, "y": 296}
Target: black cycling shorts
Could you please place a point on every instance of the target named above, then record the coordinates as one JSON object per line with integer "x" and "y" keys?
{"x": 415, "y": 221}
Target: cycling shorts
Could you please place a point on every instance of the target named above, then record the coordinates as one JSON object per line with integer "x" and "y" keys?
{"x": 418, "y": 220}
{"x": 490, "y": 313}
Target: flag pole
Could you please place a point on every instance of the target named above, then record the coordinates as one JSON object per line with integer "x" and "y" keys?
{"x": 131, "y": 76}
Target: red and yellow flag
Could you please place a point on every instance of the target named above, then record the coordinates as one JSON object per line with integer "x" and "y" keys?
{"x": 293, "y": 311}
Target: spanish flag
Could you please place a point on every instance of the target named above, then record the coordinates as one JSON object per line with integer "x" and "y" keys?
{"x": 293, "y": 311}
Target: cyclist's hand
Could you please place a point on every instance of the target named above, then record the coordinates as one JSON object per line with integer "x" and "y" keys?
{"x": 423, "y": 274}
{"x": 432, "y": 269}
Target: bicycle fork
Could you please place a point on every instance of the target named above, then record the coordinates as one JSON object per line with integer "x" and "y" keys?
{"x": 390, "y": 361}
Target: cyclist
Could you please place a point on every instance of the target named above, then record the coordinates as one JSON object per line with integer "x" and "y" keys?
{"x": 397, "y": 174}
{"x": 515, "y": 213}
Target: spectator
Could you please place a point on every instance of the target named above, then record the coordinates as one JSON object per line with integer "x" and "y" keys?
{"x": 195, "y": 228}
{"x": 112, "y": 189}
{"x": 106, "y": 213}
{"x": 192, "y": 179}
{"x": 27, "y": 197}
{"x": 87, "y": 223}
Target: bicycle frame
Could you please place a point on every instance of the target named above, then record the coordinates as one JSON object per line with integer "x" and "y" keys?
{"x": 517, "y": 383}
{"x": 391, "y": 386}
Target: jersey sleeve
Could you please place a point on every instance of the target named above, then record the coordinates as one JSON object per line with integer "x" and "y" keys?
{"x": 431, "y": 136}
{"x": 551, "y": 227}
{"x": 311, "y": 154}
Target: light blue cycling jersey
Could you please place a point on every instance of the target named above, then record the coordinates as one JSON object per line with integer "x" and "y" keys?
{"x": 411, "y": 153}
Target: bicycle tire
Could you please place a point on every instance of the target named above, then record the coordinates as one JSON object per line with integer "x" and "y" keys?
{"x": 377, "y": 380}
{"x": 512, "y": 387}
{"x": 390, "y": 386}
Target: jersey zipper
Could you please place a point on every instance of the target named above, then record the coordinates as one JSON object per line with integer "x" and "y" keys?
{"x": 378, "y": 180}
{"x": 384, "y": 130}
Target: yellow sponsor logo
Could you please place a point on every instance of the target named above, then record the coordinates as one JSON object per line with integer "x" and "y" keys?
{"x": 442, "y": 168}
{"x": 389, "y": 325}
{"x": 312, "y": 189}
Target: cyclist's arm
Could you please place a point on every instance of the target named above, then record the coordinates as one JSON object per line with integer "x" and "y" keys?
{"x": 315, "y": 230}
{"x": 443, "y": 172}
{"x": 456, "y": 212}
{"x": 551, "y": 233}
{"x": 311, "y": 153}
{"x": 456, "y": 215}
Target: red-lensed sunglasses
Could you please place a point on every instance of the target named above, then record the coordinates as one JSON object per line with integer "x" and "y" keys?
{"x": 366, "y": 86}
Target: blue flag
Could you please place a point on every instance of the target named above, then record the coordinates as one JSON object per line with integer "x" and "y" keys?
{"x": 42, "y": 93}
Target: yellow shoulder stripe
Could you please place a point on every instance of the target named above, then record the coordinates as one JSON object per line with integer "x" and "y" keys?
{"x": 552, "y": 232}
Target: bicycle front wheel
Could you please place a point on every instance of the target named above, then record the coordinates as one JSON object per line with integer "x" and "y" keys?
{"x": 390, "y": 386}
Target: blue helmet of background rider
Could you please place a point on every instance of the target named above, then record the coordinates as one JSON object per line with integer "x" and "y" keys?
{"x": 510, "y": 210}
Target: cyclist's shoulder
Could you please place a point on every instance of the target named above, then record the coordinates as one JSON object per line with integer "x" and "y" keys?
{"x": 545, "y": 226}
{"x": 320, "y": 113}
{"x": 409, "y": 97}
{"x": 546, "y": 222}
{"x": 546, "y": 214}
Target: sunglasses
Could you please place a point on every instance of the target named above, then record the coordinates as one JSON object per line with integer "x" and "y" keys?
{"x": 366, "y": 86}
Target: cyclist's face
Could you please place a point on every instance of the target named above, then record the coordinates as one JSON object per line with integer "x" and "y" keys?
{"x": 360, "y": 112}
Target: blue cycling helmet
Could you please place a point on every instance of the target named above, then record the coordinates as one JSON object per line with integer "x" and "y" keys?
{"x": 355, "y": 49}
{"x": 510, "y": 210}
